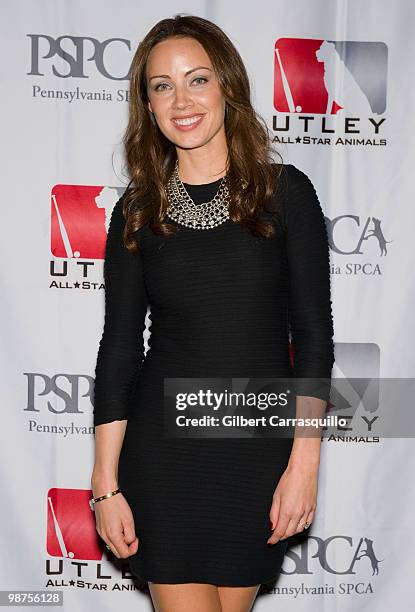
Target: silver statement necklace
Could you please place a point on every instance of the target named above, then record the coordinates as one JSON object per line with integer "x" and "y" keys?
{"x": 184, "y": 211}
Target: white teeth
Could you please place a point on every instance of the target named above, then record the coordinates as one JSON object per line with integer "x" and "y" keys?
{"x": 187, "y": 121}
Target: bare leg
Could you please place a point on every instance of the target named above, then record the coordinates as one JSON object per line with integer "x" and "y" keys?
{"x": 186, "y": 597}
{"x": 237, "y": 599}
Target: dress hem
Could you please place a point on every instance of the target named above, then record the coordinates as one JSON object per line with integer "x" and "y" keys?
{"x": 145, "y": 578}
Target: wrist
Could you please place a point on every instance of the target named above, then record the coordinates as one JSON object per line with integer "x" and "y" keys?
{"x": 304, "y": 463}
{"x": 102, "y": 483}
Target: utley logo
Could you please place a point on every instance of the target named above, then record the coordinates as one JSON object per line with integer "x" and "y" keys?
{"x": 355, "y": 393}
{"x": 71, "y": 531}
{"x": 327, "y": 87}
{"x": 74, "y": 547}
{"x": 80, "y": 217}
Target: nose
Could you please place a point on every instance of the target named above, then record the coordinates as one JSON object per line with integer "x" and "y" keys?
{"x": 182, "y": 99}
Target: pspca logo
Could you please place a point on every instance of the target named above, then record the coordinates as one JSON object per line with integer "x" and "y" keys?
{"x": 69, "y": 56}
{"x": 354, "y": 236}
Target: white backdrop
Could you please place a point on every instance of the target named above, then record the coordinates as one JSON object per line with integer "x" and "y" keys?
{"x": 63, "y": 119}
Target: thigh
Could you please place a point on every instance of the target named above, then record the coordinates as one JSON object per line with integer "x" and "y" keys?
{"x": 237, "y": 599}
{"x": 186, "y": 597}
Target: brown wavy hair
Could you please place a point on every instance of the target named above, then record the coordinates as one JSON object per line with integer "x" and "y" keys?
{"x": 150, "y": 156}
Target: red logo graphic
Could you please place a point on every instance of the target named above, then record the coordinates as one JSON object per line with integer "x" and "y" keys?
{"x": 80, "y": 218}
{"x": 328, "y": 77}
{"x": 71, "y": 530}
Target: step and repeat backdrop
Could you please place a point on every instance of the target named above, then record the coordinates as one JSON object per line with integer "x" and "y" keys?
{"x": 332, "y": 79}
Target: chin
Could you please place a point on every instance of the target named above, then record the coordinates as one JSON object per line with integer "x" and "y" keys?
{"x": 189, "y": 142}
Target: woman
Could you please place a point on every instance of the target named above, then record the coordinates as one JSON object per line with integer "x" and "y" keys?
{"x": 205, "y": 521}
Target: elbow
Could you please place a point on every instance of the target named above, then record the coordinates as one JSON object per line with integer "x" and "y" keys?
{"x": 313, "y": 354}
{"x": 313, "y": 359}
{"x": 108, "y": 411}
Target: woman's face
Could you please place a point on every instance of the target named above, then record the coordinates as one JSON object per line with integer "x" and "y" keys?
{"x": 181, "y": 83}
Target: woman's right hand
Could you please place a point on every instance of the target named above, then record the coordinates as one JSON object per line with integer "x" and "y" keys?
{"x": 115, "y": 525}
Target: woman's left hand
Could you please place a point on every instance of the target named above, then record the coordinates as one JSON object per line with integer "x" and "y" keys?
{"x": 294, "y": 502}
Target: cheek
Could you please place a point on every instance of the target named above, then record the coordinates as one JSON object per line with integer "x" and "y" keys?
{"x": 162, "y": 111}
{"x": 212, "y": 101}
{"x": 159, "y": 105}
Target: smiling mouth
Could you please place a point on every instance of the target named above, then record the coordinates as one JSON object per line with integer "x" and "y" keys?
{"x": 187, "y": 120}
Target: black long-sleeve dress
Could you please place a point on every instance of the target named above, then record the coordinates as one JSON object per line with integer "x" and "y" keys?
{"x": 221, "y": 304}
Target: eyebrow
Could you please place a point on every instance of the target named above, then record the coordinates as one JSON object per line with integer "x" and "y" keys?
{"x": 166, "y": 76}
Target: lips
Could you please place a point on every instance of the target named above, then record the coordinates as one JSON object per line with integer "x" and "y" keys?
{"x": 187, "y": 117}
{"x": 187, "y": 122}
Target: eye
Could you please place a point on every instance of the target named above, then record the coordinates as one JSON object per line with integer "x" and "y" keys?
{"x": 200, "y": 79}
{"x": 160, "y": 87}
{"x": 157, "y": 86}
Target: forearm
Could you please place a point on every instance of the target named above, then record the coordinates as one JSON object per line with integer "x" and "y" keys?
{"x": 307, "y": 440}
{"x": 109, "y": 438}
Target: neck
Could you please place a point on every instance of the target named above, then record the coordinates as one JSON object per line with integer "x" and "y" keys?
{"x": 202, "y": 165}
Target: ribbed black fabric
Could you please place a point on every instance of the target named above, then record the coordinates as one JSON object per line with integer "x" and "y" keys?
{"x": 221, "y": 303}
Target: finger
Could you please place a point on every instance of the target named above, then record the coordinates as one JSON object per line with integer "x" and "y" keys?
{"x": 108, "y": 546}
{"x": 291, "y": 528}
{"x": 132, "y": 546}
{"x": 111, "y": 548}
{"x": 275, "y": 511}
{"x": 301, "y": 523}
{"x": 129, "y": 531}
{"x": 310, "y": 518}
{"x": 118, "y": 545}
{"x": 279, "y": 530}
